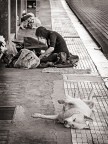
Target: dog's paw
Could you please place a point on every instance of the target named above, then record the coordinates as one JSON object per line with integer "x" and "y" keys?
{"x": 36, "y": 115}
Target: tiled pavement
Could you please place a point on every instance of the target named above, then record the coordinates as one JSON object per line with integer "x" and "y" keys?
{"x": 94, "y": 15}
{"x": 80, "y": 85}
{"x": 4, "y": 134}
{"x": 43, "y": 12}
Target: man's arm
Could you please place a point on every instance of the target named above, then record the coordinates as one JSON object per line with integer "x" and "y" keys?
{"x": 52, "y": 40}
{"x": 47, "y": 52}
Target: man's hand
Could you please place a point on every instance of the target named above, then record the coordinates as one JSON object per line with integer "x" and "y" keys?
{"x": 41, "y": 56}
{"x": 47, "y": 52}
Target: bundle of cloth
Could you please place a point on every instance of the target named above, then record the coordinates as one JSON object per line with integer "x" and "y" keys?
{"x": 3, "y": 48}
{"x": 26, "y": 57}
{"x": 28, "y": 20}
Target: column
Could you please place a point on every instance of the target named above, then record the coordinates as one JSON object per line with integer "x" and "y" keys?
{"x": 5, "y": 18}
{"x": 14, "y": 16}
{"x": 19, "y": 10}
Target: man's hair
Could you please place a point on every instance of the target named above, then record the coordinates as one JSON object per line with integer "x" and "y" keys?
{"x": 41, "y": 32}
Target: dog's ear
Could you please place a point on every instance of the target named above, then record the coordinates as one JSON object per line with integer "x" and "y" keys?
{"x": 65, "y": 102}
{"x": 90, "y": 103}
{"x": 61, "y": 101}
{"x": 88, "y": 119}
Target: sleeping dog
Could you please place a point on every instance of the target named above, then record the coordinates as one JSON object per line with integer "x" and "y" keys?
{"x": 76, "y": 113}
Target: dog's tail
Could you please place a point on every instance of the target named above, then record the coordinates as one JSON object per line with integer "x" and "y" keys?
{"x": 51, "y": 117}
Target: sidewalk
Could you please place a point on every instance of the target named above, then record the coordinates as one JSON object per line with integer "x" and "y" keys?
{"x": 80, "y": 43}
{"x": 30, "y": 91}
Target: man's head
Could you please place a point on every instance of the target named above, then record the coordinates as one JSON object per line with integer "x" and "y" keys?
{"x": 41, "y": 32}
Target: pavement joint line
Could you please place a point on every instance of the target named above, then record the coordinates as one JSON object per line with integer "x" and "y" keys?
{"x": 71, "y": 37}
{"x": 82, "y": 77}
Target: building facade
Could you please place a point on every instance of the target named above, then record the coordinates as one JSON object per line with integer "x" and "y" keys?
{"x": 10, "y": 15}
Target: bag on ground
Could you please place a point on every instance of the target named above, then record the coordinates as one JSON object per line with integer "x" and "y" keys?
{"x": 27, "y": 59}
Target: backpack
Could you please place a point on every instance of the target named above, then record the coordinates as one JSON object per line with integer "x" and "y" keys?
{"x": 27, "y": 59}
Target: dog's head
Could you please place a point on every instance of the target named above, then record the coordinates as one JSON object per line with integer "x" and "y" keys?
{"x": 77, "y": 120}
{"x": 73, "y": 116}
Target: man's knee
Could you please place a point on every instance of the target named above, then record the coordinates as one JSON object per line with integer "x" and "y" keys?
{"x": 50, "y": 58}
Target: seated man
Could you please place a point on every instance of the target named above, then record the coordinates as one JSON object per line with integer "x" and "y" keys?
{"x": 57, "y": 47}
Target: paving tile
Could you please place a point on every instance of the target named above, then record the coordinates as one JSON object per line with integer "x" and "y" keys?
{"x": 4, "y": 135}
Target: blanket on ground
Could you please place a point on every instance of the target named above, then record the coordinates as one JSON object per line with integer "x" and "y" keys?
{"x": 60, "y": 60}
{"x": 28, "y": 59}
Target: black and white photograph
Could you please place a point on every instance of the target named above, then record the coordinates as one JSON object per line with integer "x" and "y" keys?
{"x": 53, "y": 72}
